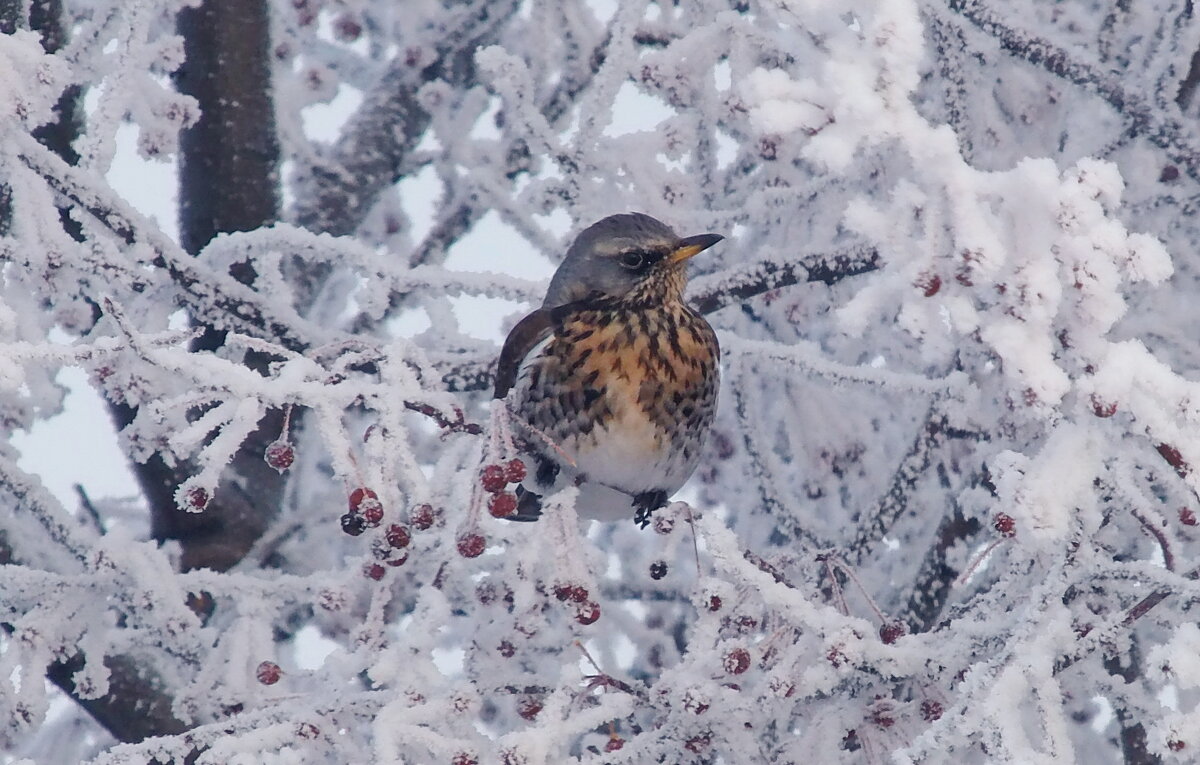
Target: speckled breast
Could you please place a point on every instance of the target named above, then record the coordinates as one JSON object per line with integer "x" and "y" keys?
{"x": 628, "y": 394}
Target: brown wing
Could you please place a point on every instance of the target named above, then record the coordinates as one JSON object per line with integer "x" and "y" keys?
{"x": 529, "y": 331}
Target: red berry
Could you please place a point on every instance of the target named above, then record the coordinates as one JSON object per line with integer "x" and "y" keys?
{"x": 614, "y": 744}
{"x": 471, "y": 545}
{"x": 422, "y": 517}
{"x": 397, "y": 536}
{"x": 197, "y": 498}
{"x": 588, "y": 613}
{"x": 268, "y": 673}
{"x": 347, "y": 28}
{"x": 398, "y": 562}
{"x": 1175, "y": 745}
{"x": 1174, "y": 459}
{"x": 928, "y": 283}
{"x": 464, "y": 758}
{"x": 366, "y": 503}
{"x": 492, "y": 478}
{"x": 372, "y": 514}
{"x": 353, "y": 524}
{"x": 697, "y": 744}
{"x": 307, "y": 730}
{"x": 360, "y": 495}
{"x": 883, "y": 718}
{"x": 1102, "y": 408}
{"x": 503, "y": 504}
{"x": 514, "y": 471}
{"x": 714, "y": 602}
{"x": 658, "y": 569}
{"x": 892, "y": 631}
{"x": 1187, "y": 517}
{"x": 279, "y": 455}
{"x": 374, "y": 571}
{"x": 1004, "y": 523}
{"x": 737, "y": 661}
{"x": 529, "y": 707}
{"x": 931, "y": 710}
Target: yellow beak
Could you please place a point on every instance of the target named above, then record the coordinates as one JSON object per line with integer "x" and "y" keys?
{"x": 691, "y": 245}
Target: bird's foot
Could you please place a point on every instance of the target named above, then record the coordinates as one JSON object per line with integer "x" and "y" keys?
{"x": 646, "y": 503}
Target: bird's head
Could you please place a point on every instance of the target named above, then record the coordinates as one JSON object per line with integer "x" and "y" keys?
{"x": 627, "y": 257}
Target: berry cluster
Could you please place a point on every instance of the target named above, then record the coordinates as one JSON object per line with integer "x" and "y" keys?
{"x": 586, "y": 611}
{"x": 495, "y": 480}
{"x": 365, "y": 511}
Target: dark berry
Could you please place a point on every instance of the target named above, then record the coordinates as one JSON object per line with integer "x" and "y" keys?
{"x": 471, "y": 545}
{"x": 374, "y": 571}
{"x": 1004, "y": 523}
{"x": 492, "y": 478}
{"x": 397, "y": 536}
{"x": 506, "y": 649}
{"x": 422, "y": 517}
{"x": 464, "y": 758}
{"x": 658, "y": 569}
{"x": 892, "y": 631}
{"x": 1187, "y": 517}
{"x": 503, "y": 504}
{"x": 714, "y": 602}
{"x": 562, "y": 591}
{"x": 353, "y": 524}
{"x": 588, "y": 613}
{"x": 664, "y": 524}
{"x": 931, "y": 710}
{"x": 268, "y": 673}
{"x": 514, "y": 471}
{"x": 737, "y": 661}
{"x": 279, "y": 455}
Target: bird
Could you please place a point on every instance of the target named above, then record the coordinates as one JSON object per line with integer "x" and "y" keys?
{"x": 614, "y": 378}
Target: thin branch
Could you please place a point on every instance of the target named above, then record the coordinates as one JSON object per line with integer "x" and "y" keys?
{"x": 716, "y": 291}
{"x": 1165, "y": 130}
{"x": 216, "y": 298}
{"x": 338, "y": 194}
{"x": 913, "y": 468}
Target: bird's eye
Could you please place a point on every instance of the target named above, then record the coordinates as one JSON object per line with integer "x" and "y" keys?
{"x": 633, "y": 259}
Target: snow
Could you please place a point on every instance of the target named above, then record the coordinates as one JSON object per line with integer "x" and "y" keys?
{"x": 987, "y": 433}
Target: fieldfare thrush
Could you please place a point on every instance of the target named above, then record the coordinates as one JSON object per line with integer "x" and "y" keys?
{"x": 615, "y": 375}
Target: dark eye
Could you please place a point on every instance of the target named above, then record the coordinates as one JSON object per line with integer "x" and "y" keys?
{"x": 633, "y": 260}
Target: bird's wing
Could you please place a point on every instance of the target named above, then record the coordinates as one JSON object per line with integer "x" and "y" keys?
{"x": 529, "y": 331}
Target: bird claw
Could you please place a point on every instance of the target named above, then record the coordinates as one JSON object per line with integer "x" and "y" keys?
{"x": 647, "y": 503}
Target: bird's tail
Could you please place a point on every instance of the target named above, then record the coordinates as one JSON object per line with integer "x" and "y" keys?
{"x": 529, "y": 506}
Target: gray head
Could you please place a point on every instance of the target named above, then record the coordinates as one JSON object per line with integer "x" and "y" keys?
{"x": 621, "y": 255}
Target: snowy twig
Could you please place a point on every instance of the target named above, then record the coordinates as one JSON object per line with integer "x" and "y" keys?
{"x": 715, "y": 291}
{"x": 1160, "y": 127}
